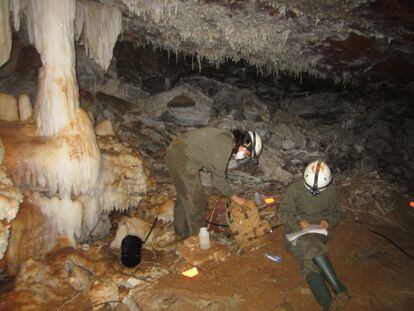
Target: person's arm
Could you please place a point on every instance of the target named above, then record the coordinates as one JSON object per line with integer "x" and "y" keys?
{"x": 287, "y": 210}
{"x": 239, "y": 200}
{"x": 218, "y": 158}
{"x": 221, "y": 184}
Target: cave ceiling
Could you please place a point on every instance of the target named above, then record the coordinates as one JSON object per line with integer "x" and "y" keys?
{"x": 349, "y": 41}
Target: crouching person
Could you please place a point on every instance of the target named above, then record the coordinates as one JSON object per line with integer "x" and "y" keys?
{"x": 210, "y": 149}
{"x": 314, "y": 202}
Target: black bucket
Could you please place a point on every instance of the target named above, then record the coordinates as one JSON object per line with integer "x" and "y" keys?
{"x": 131, "y": 247}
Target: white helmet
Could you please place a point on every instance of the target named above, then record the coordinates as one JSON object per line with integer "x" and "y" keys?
{"x": 317, "y": 177}
{"x": 256, "y": 147}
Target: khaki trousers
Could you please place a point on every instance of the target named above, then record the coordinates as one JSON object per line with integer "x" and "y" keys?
{"x": 191, "y": 201}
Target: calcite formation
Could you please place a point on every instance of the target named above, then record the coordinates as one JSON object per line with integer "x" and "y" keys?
{"x": 8, "y": 107}
{"x": 58, "y": 156}
{"x": 157, "y": 238}
{"x": 124, "y": 178}
{"x": 10, "y": 199}
{"x": 31, "y": 236}
{"x": 25, "y": 107}
{"x": 97, "y": 26}
{"x": 5, "y": 32}
{"x": 347, "y": 41}
{"x": 104, "y": 128}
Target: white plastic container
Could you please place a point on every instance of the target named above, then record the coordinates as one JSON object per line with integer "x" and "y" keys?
{"x": 204, "y": 237}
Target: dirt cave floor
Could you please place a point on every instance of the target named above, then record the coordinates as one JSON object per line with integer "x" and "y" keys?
{"x": 378, "y": 275}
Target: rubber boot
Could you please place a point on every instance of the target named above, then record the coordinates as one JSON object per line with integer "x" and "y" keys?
{"x": 341, "y": 293}
{"x": 320, "y": 291}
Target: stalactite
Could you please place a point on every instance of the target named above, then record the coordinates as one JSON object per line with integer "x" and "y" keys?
{"x": 264, "y": 40}
{"x": 98, "y": 27}
{"x": 17, "y": 6}
{"x": 5, "y": 32}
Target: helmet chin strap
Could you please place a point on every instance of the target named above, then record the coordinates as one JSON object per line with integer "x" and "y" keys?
{"x": 252, "y": 146}
{"x": 315, "y": 190}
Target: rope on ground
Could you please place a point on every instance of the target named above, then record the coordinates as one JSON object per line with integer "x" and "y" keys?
{"x": 393, "y": 243}
{"x": 386, "y": 220}
{"x": 70, "y": 300}
{"x": 101, "y": 303}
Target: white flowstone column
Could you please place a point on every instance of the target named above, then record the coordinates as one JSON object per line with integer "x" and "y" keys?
{"x": 51, "y": 30}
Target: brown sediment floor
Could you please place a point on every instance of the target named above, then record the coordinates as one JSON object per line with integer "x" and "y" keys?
{"x": 377, "y": 274}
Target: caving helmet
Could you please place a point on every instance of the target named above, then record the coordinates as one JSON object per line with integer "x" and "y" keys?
{"x": 250, "y": 140}
{"x": 256, "y": 146}
{"x": 317, "y": 177}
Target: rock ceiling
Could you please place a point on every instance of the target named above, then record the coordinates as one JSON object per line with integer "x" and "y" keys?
{"x": 349, "y": 41}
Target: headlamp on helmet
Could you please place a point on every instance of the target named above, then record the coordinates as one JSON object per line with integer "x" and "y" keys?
{"x": 317, "y": 177}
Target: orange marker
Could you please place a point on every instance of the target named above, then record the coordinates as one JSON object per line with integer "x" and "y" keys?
{"x": 412, "y": 203}
{"x": 269, "y": 200}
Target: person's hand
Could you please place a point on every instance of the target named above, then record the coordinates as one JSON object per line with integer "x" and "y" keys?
{"x": 239, "y": 200}
{"x": 324, "y": 224}
{"x": 303, "y": 223}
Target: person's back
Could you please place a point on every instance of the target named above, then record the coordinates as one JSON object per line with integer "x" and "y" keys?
{"x": 216, "y": 143}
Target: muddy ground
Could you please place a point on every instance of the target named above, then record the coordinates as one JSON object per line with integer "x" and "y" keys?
{"x": 378, "y": 275}
{"x": 252, "y": 282}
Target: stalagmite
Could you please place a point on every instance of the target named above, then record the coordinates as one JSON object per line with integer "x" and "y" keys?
{"x": 5, "y": 32}
{"x": 25, "y": 107}
{"x": 65, "y": 215}
{"x": 8, "y": 107}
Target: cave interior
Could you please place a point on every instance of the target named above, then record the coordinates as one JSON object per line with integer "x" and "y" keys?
{"x": 92, "y": 92}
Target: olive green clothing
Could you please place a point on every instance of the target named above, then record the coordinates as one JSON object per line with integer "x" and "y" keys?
{"x": 298, "y": 204}
{"x": 307, "y": 247}
{"x": 205, "y": 148}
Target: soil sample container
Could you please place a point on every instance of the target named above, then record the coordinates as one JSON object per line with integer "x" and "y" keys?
{"x": 204, "y": 237}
